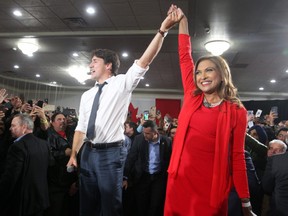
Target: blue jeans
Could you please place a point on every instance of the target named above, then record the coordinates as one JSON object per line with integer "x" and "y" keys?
{"x": 101, "y": 177}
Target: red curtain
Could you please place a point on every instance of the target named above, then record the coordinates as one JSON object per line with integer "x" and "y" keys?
{"x": 168, "y": 106}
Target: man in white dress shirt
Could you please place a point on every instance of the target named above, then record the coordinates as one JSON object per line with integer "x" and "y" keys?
{"x": 103, "y": 155}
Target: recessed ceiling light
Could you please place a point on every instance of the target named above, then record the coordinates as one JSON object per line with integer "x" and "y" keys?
{"x": 147, "y": 85}
{"x": 37, "y": 75}
{"x": 16, "y": 66}
{"x": 125, "y": 54}
{"x": 54, "y": 83}
{"x": 142, "y": 78}
{"x": 261, "y": 88}
{"x": 17, "y": 13}
{"x": 90, "y": 10}
{"x": 75, "y": 54}
{"x": 287, "y": 71}
{"x": 14, "y": 48}
{"x": 273, "y": 81}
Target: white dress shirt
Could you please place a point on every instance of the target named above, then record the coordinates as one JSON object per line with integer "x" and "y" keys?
{"x": 113, "y": 105}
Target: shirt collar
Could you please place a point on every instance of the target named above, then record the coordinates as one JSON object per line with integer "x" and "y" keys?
{"x": 157, "y": 142}
{"x": 19, "y": 138}
{"x": 107, "y": 80}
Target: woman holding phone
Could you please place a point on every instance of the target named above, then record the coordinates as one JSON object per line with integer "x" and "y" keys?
{"x": 208, "y": 149}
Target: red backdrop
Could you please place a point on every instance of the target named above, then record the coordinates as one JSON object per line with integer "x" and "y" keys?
{"x": 168, "y": 106}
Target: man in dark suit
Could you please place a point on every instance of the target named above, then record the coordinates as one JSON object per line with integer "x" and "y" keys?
{"x": 275, "y": 182}
{"x": 147, "y": 165}
{"x": 23, "y": 186}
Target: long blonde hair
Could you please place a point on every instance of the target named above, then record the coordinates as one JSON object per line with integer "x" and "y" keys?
{"x": 226, "y": 89}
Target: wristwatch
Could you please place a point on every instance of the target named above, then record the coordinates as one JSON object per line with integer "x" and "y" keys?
{"x": 163, "y": 33}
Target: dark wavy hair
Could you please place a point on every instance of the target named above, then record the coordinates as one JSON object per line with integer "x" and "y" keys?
{"x": 108, "y": 56}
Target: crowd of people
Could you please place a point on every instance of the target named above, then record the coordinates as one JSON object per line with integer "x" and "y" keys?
{"x": 205, "y": 162}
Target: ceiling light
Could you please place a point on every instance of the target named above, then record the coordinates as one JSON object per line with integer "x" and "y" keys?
{"x": 28, "y": 46}
{"x": 14, "y": 48}
{"x": 17, "y": 13}
{"x": 90, "y": 10}
{"x": 16, "y": 66}
{"x": 217, "y": 47}
{"x": 141, "y": 78}
{"x": 79, "y": 73}
{"x": 125, "y": 54}
{"x": 37, "y": 75}
{"x": 273, "y": 81}
{"x": 147, "y": 85}
{"x": 75, "y": 54}
{"x": 287, "y": 71}
{"x": 261, "y": 88}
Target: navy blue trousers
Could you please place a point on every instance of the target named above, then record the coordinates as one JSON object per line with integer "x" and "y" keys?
{"x": 101, "y": 177}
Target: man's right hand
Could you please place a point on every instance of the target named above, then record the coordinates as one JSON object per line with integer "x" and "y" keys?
{"x": 125, "y": 184}
{"x": 72, "y": 161}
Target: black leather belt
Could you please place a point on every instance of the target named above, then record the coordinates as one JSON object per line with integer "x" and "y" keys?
{"x": 104, "y": 145}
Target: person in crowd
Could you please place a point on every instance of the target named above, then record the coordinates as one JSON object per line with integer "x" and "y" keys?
{"x": 41, "y": 124}
{"x": 275, "y": 183}
{"x": 208, "y": 149}
{"x": 282, "y": 134}
{"x": 23, "y": 186}
{"x": 172, "y": 132}
{"x": 13, "y": 107}
{"x": 257, "y": 152}
{"x": 3, "y": 149}
{"x": 147, "y": 162}
{"x": 61, "y": 183}
{"x": 258, "y": 133}
{"x": 103, "y": 154}
{"x": 131, "y": 130}
{"x": 276, "y": 147}
{"x": 16, "y": 103}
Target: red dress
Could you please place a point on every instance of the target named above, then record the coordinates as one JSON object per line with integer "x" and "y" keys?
{"x": 208, "y": 151}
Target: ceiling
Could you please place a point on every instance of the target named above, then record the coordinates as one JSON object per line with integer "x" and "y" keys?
{"x": 256, "y": 29}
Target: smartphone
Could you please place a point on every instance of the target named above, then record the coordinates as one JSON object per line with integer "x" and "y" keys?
{"x": 30, "y": 102}
{"x": 146, "y": 115}
{"x": 274, "y": 110}
{"x": 250, "y": 112}
{"x": 258, "y": 113}
{"x": 40, "y": 103}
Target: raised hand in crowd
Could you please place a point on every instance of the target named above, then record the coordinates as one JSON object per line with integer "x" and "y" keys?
{"x": 3, "y": 95}
{"x": 271, "y": 118}
{"x": 39, "y": 112}
{"x": 26, "y": 108}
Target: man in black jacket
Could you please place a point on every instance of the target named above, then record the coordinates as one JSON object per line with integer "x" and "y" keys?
{"x": 147, "y": 165}
{"x": 23, "y": 186}
{"x": 62, "y": 184}
{"x": 275, "y": 182}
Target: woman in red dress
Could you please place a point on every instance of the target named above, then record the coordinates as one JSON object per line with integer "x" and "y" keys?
{"x": 208, "y": 149}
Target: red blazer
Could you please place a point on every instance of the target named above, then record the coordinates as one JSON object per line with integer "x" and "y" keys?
{"x": 229, "y": 163}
